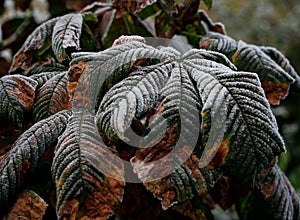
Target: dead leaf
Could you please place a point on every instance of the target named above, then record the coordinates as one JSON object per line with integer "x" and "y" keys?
{"x": 275, "y": 92}
{"x": 28, "y": 206}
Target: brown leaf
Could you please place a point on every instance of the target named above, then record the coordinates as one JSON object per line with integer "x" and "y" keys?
{"x": 103, "y": 202}
{"x": 275, "y": 92}
{"x": 22, "y": 61}
{"x": 28, "y": 206}
{"x": 78, "y": 86}
{"x": 69, "y": 211}
{"x": 132, "y": 6}
{"x": 217, "y": 154}
{"x": 24, "y": 92}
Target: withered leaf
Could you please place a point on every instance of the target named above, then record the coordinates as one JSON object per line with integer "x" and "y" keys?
{"x": 87, "y": 170}
{"x": 26, "y": 154}
{"x": 52, "y": 97}
{"x": 17, "y": 95}
{"x": 133, "y": 6}
{"x": 28, "y": 205}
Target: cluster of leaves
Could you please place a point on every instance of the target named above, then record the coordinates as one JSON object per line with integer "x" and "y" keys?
{"x": 266, "y": 23}
{"x": 73, "y": 110}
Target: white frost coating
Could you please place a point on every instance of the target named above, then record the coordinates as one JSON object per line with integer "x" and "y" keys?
{"x": 124, "y": 39}
{"x": 142, "y": 169}
{"x": 123, "y": 113}
{"x": 66, "y": 33}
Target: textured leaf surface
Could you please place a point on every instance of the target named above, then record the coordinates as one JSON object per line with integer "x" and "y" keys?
{"x": 273, "y": 69}
{"x": 274, "y": 198}
{"x": 219, "y": 42}
{"x": 35, "y": 41}
{"x": 66, "y": 35}
{"x": 130, "y": 98}
{"x": 52, "y": 97}
{"x": 84, "y": 169}
{"x": 235, "y": 107}
{"x": 28, "y": 205}
{"x": 17, "y": 96}
{"x": 187, "y": 179}
{"x": 43, "y": 77}
{"x": 275, "y": 80}
{"x": 99, "y": 66}
{"x": 26, "y": 153}
{"x": 283, "y": 62}
{"x": 239, "y": 131}
{"x": 48, "y": 66}
{"x": 179, "y": 104}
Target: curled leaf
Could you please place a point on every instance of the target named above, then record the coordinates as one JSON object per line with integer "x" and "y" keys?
{"x": 17, "y": 95}
{"x": 39, "y": 38}
{"x": 273, "y": 69}
{"x": 52, "y": 97}
{"x": 26, "y": 153}
{"x": 85, "y": 169}
{"x": 66, "y": 35}
{"x": 273, "y": 198}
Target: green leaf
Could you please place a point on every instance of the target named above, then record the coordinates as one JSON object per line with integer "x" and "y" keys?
{"x": 52, "y": 97}
{"x": 88, "y": 40}
{"x": 25, "y": 154}
{"x": 66, "y": 35}
{"x": 148, "y": 11}
{"x": 208, "y": 3}
{"x": 86, "y": 170}
{"x": 273, "y": 198}
{"x": 89, "y": 17}
{"x": 17, "y": 95}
